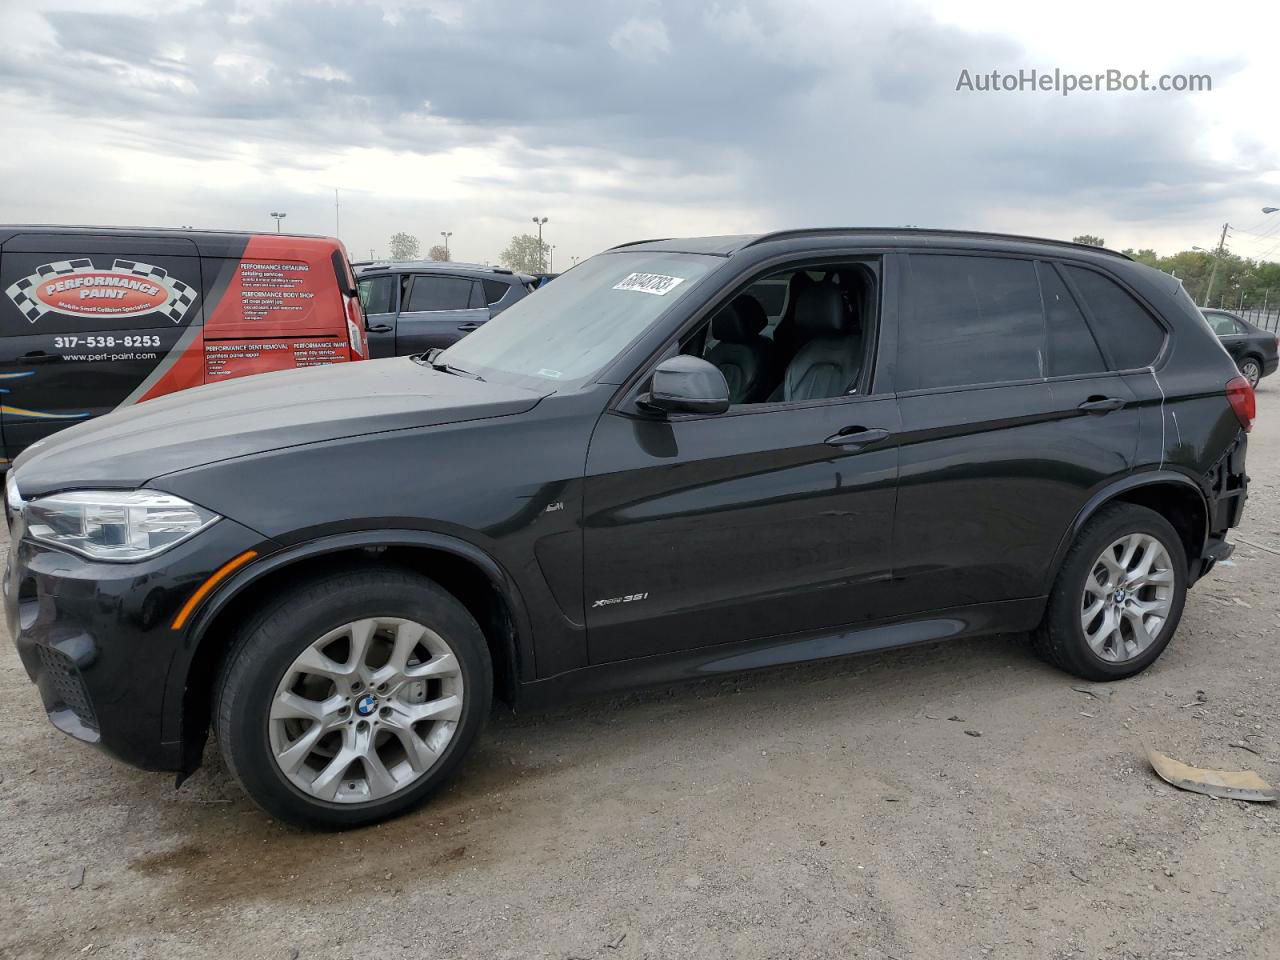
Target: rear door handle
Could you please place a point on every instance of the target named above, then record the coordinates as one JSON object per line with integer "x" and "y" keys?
{"x": 380, "y": 328}
{"x": 472, "y": 325}
{"x": 857, "y": 437}
{"x": 40, "y": 356}
{"x": 1101, "y": 404}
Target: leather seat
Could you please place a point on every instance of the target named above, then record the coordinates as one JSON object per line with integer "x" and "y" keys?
{"x": 830, "y": 361}
{"x": 743, "y": 356}
{"x": 787, "y": 339}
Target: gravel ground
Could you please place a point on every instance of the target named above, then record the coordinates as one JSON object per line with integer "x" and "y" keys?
{"x": 830, "y": 810}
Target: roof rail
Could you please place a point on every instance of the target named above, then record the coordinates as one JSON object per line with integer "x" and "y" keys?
{"x": 927, "y": 232}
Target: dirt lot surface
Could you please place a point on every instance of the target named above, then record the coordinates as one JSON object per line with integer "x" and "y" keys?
{"x": 833, "y": 810}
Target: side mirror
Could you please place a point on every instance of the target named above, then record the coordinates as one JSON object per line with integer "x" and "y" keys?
{"x": 686, "y": 384}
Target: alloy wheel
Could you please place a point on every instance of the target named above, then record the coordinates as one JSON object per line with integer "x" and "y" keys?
{"x": 1252, "y": 372}
{"x": 1127, "y": 598}
{"x": 366, "y": 710}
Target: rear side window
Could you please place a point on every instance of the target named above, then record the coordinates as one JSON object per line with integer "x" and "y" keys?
{"x": 494, "y": 290}
{"x": 1071, "y": 347}
{"x": 1126, "y": 330}
{"x": 439, "y": 293}
{"x": 1223, "y": 325}
{"x": 378, "y": 294}
{"x": 972, "y": 320}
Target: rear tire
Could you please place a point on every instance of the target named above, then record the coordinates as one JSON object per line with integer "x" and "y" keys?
{"x": 1251, "y": 370}
{"x": 352, "y": 697}
{"x": 1107, "y": 619}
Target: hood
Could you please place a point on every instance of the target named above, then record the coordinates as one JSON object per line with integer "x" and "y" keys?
{"x": 255, "y": 414}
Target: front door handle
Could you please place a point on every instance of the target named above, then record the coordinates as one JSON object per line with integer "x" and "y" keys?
{"x": 857, "y": 437}
{"x": 379, "y": 328}
{"x": 468, "y": 327}
{"x": 1100, "y": 405}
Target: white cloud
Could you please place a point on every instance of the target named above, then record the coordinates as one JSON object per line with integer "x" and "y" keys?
{"x": 641, "y": 38}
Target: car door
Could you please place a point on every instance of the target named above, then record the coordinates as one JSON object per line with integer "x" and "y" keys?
{"x": 438, "y": 310}
{"x": 1010, "y": 420}
{"x": 773, "y": 518}
{"x": 84, "y": 320}
{"x": 380, "y": 301}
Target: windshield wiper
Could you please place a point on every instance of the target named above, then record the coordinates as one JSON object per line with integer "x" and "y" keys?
{"x": 429, "y": 358}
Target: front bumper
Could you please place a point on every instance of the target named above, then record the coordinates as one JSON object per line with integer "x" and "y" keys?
{"x": 96, "y": 638}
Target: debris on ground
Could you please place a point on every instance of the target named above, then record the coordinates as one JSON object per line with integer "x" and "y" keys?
{"x": 77, "y": 878}
{"x": 973, "y": 733}
{"x": 1229, "y": 784}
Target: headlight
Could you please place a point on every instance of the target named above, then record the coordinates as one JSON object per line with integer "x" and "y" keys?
{"x": 115, "y": 525}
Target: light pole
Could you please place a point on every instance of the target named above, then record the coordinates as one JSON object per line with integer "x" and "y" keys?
{"x": 279, "y": 216}
{"x": 542, "y": 260}
{"x": 446, "y": 234}
{"x": 551, "y": 267}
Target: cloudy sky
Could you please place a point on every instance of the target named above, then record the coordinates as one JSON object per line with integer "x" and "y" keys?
{"x": 625, "y": 119}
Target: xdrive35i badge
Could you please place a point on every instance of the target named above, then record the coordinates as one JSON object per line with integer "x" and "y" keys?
{"x": 629, "y": 598}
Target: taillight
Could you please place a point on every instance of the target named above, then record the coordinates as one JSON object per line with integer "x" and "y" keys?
{"x": 355, "y": 327}
{"x": 1243, "y": 402}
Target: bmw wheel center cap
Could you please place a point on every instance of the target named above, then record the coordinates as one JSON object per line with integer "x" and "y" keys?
{"x": 366, "y": 705}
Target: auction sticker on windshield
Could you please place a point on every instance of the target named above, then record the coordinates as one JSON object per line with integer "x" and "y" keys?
{"x": 654, "y": 283}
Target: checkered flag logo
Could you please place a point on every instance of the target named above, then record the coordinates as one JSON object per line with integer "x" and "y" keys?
{"x": 24, "y": 293}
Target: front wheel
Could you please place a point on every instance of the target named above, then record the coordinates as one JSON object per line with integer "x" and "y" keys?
{"x": 353, "y": 697}
{"x": 1251, "y": 370}
{"x": 1118, "y": 597}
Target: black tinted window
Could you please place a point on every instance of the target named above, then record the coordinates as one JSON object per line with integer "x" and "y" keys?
{"x": 1072, "y": 349}
{"x": 1129, "y": 334}
{"x": 439, "y": 293}
{"x": 377, "y": 294}
{"x": 972, "y": 320}
{"x": 494, "y": 290}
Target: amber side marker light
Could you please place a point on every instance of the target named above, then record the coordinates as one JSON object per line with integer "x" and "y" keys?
{"x": 224, "y": 571}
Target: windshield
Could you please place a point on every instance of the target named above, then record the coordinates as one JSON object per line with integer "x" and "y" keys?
{"x": 571, "y": 329}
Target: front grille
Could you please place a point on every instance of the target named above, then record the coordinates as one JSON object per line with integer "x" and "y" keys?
{"x": 67, "y": 685}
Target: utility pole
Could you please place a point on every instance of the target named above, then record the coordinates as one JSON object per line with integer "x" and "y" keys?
{"x": 1222, "y": 245}
{"x": 337, "y": 216}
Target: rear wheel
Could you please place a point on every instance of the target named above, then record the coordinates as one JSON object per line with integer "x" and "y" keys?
{"x": 1119, "y": 595}
{"x": 352, "y": 698}
{"x": 1251, "y": 370}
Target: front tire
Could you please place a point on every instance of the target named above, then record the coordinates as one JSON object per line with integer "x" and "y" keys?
{"x": 1118, "y": 597}
{"x": 353, "y": 697}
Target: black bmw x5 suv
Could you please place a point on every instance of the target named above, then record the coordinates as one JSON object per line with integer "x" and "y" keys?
{"x": 682, "y": 458}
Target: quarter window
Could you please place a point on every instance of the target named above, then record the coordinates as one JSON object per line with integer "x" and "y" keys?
{"x": 971, "y": 320}
{"x": 1072, "y": 349}
{"x": 494, "y": 290}
{"x": 439, "y": 293}
{"x": 1126, "y": 330}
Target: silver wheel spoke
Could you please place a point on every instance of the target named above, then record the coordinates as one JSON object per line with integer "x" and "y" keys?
{"x": 376, "y": 732}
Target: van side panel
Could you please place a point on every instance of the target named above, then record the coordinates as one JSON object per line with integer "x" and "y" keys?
{"x": 85, "y": 318}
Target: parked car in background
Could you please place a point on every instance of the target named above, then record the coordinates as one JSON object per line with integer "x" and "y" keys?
{"x": 95, "y": 318}
{"x": 1252, "y": 348}
{"x": 638, "y": 475}
{"x": 414, "y": 305}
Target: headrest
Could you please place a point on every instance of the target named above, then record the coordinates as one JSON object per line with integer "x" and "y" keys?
{"x": 822, "y": 310}
{"x": 740, "y": 321}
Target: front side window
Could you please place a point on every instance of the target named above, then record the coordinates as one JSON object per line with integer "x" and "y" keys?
{"x": 573, "y": 328}
{"x": 1126, "y": 330}
{"x": 971, "y": 320}
{"x": 377, "y": 294}
{"x": 439, "y": 293}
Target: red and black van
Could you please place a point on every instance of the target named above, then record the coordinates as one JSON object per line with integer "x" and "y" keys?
{"x": 94, "y": 318}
